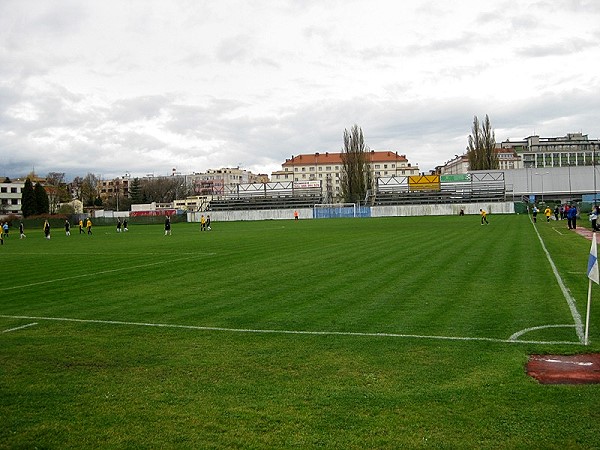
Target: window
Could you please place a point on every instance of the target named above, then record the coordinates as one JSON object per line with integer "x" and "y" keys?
{"x": 13, "y": 190}
{"x": 3, "y": 189}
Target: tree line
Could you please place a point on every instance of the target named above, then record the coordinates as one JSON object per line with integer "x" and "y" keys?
{"x": 53, "y": 197}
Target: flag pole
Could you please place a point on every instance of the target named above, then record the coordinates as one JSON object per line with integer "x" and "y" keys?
{"x": 593, "y": 275}
{"x": 587, "y": 315}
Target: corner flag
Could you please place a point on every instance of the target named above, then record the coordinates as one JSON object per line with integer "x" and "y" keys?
{"x": 592, "y": 269}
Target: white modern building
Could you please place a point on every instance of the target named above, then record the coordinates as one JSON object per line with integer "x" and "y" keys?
{"x": 572, "y": 150}
{"x": 10, "y": 196}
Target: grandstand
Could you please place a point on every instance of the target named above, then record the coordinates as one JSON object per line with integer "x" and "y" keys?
{"x": 276, "y": 195}
{"x": 394, "y": 190}
{"x": 463, "y": 188}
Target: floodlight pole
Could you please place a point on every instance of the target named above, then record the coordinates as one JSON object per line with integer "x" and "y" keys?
{"x": 594, "y": 166}
{"x": 542, "y": 176}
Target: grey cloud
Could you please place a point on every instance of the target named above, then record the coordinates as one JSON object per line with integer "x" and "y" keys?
{"x": 198, "y": 119}
{"x": 428, "y": 132}
{"x": 24, "y": 21}
{"x": 556, "y": 48}
{"x": 462, "y": 42}
{"x": 233, "y": 49}
{"x": 139, "y": 108}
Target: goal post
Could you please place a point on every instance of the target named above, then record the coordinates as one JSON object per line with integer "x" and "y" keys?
{"x": 332, "y": 210}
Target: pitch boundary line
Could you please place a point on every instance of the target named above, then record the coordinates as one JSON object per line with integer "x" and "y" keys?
{"x": 568, "y": 297}
{"x": 516, "y": 335}
{"x": 102, "y": 272}
{"x": 106, "y": 253}
{"x": 291, "y": 332}
{"x": 20, "y": 328}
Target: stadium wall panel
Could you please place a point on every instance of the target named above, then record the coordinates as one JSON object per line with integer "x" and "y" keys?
{"x": 375, "y": 211}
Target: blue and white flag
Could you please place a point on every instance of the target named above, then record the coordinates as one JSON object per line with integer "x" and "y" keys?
{"x": 592, "y": 270}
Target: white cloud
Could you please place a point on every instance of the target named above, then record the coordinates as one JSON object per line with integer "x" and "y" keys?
{"x": 144, "y": 86}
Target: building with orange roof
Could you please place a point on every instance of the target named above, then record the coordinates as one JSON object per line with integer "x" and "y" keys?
{"x": 327, "y": 167}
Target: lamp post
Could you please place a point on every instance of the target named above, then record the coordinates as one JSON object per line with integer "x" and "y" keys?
{"x": 542, "y": 176}
{"x": 594, "y": 167}
{"x": 570, "y": 190}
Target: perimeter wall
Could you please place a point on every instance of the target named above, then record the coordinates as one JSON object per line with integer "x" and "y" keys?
{"x": 374, "y": 211}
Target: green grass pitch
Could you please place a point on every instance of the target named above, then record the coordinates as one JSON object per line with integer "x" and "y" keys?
{"x": 358, "y": 333}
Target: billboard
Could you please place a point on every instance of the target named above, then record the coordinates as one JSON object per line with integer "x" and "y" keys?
{"x": 424, "y": 183}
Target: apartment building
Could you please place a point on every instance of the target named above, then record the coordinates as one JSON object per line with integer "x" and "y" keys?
{"x": 574, "y": 149}
{"x": 110, "y": 188}
{"x": 10, "y": 196}
{"x": 327, "y": 167}
{"x": 457, "y": 165}
{"x": 220, "y": 182}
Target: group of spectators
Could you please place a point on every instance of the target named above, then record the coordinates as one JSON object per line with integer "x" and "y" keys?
{"x": 562, "y": 212}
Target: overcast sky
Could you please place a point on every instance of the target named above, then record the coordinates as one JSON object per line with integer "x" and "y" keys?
{"x": 145, "y": 86}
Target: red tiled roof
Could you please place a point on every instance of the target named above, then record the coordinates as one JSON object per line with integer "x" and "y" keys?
{"x": 310, "y": 159}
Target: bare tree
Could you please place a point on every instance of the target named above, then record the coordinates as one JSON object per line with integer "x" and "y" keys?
{"x": 89, "y": 189}
{"x": 481, "y": 149}
{"x": 56, "y": 189}
{"x": 75, "y": 187}
{"x": 163, "y": 189}
{"x": 356, "y": 179}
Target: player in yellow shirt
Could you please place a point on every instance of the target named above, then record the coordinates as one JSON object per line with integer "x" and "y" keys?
{"x": 483, "y": 216}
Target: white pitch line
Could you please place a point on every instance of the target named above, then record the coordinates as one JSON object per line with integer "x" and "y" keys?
{"x": 20, "y": 328}
{"x": 297, "y": 332}
{"x": 575, "y": 363}
{"x": 57, "y": 280}
{"x": 568, "y": 297}
{"x": 527, "y": 330}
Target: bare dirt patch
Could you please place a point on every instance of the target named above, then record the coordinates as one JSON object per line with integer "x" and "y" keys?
{"x": 565, "y": 369}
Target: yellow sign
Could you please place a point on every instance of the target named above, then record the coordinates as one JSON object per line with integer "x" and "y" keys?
{"x": 424, "y": 183}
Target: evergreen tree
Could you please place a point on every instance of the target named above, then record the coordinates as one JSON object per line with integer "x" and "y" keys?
{"x": 356, "y": 179}
{"x": 135, "y": 191}
{"x": 42, "y": 204}
{"x": 28, "y": 203}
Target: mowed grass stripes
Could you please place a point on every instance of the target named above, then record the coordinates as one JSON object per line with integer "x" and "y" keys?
{"x": 89, "y": 384}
